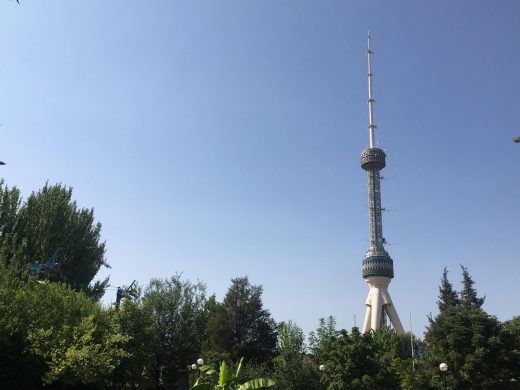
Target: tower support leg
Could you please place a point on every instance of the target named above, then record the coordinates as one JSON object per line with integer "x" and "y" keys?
{"x": 394, "y": 318}
{"x": 377, "y": 308}
{"x": 368, "y": 315}
{"x": 379, "y": 298}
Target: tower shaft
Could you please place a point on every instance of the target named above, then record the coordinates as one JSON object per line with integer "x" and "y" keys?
{"x": 378, "y": 267}
{"x": 374, "y": 210}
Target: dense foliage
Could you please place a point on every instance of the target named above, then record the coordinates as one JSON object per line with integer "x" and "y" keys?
{"x": 225, "y": 379}
{"x": 240, "y": 326}
{"x": 52, "y": 334}
{"x": 48, "y": 222}
{"x": 54, "y": 331}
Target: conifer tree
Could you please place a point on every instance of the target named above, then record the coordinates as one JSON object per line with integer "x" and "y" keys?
{"x": 468, "y": 295}
{"x": 241, "y": 326}
{"x": 448, "y": 297}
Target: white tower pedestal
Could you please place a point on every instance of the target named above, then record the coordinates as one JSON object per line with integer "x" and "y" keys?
{"x": 379, "y": 302}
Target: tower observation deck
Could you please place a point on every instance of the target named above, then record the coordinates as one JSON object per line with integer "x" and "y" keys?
{"x": 378, "y": 266}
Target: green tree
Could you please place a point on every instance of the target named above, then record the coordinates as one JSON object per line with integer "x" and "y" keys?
{"x": 363, "y": 361}
{"x": 468, "y": 340}
{"x": 293, "y": 369}
{"x": 411, "y": 372}
{"x": 322, "y": 340}
{"x": 10, "y": 201}
{"x": 471, "y": 342}
{"x": 19, "y": 367}
{"x": 374, "y": 360}
{"x": 511, "y": 338}
{"x": 448, "y": 297}
{"x": 241, "y": 326}
{"x": 177, "y": 307}
{"x": 52, "y": 333}
{"x": 136, "y": 321}
{"x": 468, "y": 295}
{"x": 49, "y": 219}
{"x": 84, "y": 354}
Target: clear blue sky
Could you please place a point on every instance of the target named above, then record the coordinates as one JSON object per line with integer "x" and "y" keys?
{"x": 222, "y": 138}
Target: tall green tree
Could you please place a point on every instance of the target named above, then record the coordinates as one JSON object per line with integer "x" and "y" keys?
{"x": 293, "y": 369}
{"x": 177, "y": 308}
{"x": 137, "y": 322}
{"x": 468, "y": 294}
{"x": 322, "y": 339}
{"x": 363, "y": 361}
{"x": 10, "y": 201}
{"x": 47, "y": 221}
{"x": 471, "y": 342}
{"x": 19, "y": 366}
{"x": 448, "y": 297}
{"x": 241, "y": 327}
{"x": 511, "y": 337}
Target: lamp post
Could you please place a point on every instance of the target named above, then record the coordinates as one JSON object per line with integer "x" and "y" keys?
{"x": 322, "y": 367}
{"x": 192, "y": 368}
{"x": 444, "y": 368}
{"x": 191, "y": 374}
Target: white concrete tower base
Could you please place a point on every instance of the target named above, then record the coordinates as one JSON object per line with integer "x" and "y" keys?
{"x": 379, "y": 302}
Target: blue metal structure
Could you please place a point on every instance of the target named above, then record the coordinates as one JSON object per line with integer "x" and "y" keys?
{"x": 47, "y": 269}
{"x": 126, "y": 292}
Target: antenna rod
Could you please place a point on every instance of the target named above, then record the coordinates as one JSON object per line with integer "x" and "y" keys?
{"x": 411, "y": 343}
{"x": 371, "y": 101}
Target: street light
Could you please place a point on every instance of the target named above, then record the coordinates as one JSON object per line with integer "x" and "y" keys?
{"x": 191, "y": 374}
{"x": 200, "y": 361}
{"x": 322, "y": 367}
{"x": 444, "y": 368}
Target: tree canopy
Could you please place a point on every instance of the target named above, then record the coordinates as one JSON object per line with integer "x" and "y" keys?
{"x": 448, "y": 297}
{"x": 177, "y": 309}
{"x": 49, "y": 221}
{"x": 241, "y": 326}
{"x": 468, "y": 295}
{"x": 52, "y": 333}
{"x": 473, "y": 343}
{"x": 293, "y": 370}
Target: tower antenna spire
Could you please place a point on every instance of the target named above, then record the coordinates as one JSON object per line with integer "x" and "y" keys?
{"x": 371, "y": 125}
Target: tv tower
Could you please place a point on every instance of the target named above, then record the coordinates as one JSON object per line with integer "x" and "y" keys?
{"x": 378, "y": 267}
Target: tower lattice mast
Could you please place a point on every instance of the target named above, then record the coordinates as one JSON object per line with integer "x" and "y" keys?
{"x": 378, "y": 267}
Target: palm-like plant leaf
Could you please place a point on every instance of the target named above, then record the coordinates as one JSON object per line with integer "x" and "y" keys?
{"x": 239, "y": 367}
{"x": 227, "y": 381}
{"x": 259, "y": 383}
{"x": 224, "y": 375}
{"x": 210, "y": 371}
{"x": 203, "y": 386}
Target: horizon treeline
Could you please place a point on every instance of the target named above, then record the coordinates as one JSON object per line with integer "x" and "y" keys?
{"x": 55, "y": 333}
